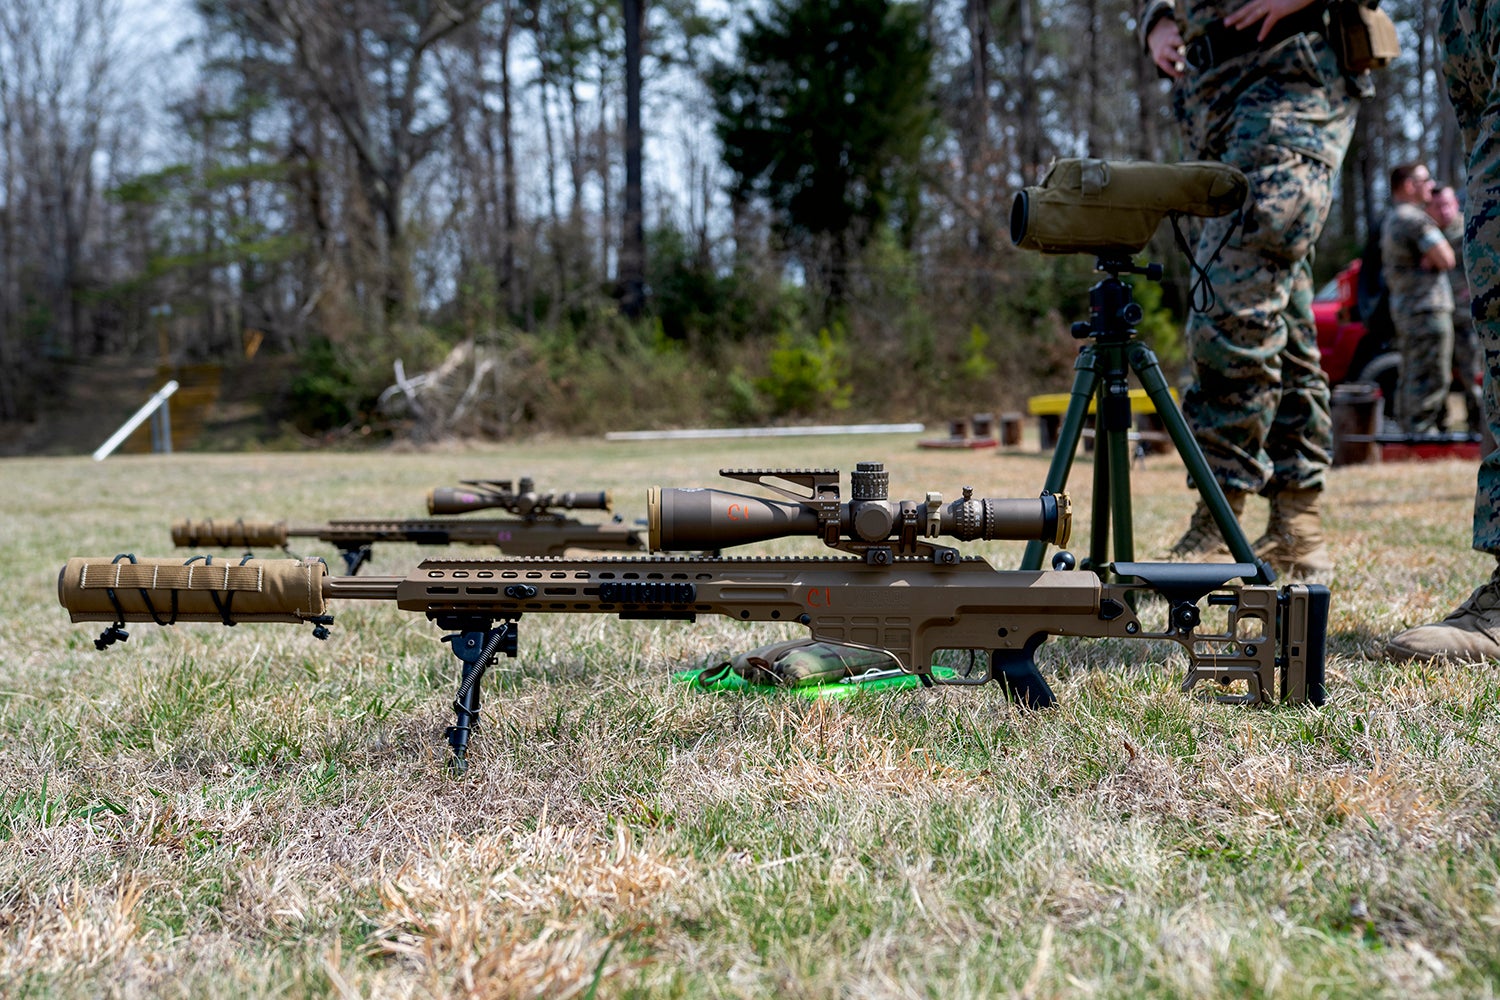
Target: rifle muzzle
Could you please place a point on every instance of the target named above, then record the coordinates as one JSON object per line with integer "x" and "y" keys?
{"x": 165, "y": 591}
{"x": 708, "y": 519}
{"x": 456, "y": 500}
{"x": 237, "y": 534}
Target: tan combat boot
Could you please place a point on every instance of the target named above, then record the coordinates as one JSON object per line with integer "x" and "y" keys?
{"x": 1203, "y": 538}
{"x": 1469, "y": 635}
{"x": 1293, "y": 543}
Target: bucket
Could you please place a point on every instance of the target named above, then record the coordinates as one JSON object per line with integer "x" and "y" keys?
{"x": 1355, "y": 410}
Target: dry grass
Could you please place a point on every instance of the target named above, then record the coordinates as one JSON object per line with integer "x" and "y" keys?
{"x": 222, "y": 812}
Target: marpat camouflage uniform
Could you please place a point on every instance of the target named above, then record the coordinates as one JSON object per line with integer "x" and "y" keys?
{"x": 1422, "y": 312}
{"x": 1471, "y": 37}
{"x": 1283, "y": 114}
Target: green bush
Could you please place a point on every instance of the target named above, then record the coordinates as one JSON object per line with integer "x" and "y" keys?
{"x": 807, "y": 374}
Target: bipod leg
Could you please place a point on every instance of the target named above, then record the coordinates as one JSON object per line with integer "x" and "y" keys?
{"x": 354, "y": 557}
{"x": 476, "y": 645}
{"x": 1085, "y": 378}
{"x": 1148, "y": 370}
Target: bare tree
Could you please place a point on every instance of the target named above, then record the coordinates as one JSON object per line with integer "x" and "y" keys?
{"x": 60, "y": 116}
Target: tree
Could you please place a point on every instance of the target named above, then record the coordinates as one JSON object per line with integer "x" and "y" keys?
{"x": 825, "y": 115}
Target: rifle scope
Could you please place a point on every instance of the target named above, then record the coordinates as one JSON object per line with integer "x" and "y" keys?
{"x": 525, "y": 501}
{"x": 709, "y": 519}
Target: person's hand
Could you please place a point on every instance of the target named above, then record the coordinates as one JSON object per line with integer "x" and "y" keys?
{"x": 1165, "y": 45}
{"x": 1264, "y": 12}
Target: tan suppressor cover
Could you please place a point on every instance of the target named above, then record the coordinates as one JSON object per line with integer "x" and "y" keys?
{"x": 260, "y": 590}
{"x": 236, "y": 534}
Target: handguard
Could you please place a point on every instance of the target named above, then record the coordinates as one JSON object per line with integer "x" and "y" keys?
{"x": 167, "y": 591}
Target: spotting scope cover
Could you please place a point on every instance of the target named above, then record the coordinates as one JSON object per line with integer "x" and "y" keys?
{"x": 1112, "y": 207}
{"x": 522, "y": 500}
{"x": 709, "y": 519}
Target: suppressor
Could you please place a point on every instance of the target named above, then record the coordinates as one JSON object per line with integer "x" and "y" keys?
{"x": 165, "y": 591}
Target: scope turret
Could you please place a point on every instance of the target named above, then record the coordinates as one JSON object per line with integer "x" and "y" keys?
{"x": 870, "y": 524}
{"x": 522, "y": 500}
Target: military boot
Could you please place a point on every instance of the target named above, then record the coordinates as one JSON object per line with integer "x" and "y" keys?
{"x": 1470, "y": 634}
{"x": 1203, "y": 538}
{"x": 1293, "y": 543}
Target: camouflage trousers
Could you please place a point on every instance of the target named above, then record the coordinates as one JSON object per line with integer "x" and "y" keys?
{"x": 1258, "y": 402}
{"x": 1471, "y": 37}
{"x": 1425, "y": 340}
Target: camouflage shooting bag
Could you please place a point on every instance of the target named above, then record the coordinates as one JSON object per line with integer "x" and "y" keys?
{"x": 799, "y": 663}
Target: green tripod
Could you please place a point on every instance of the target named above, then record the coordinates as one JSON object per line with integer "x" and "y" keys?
{"x": 1101, "y": 374}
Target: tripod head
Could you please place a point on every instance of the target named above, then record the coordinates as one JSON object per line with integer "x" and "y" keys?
{"x": 1113, "y": 313}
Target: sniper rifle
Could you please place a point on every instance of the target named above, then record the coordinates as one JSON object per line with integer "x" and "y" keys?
{"x": 895, "y": 589}
{"x": 538, "y": 528}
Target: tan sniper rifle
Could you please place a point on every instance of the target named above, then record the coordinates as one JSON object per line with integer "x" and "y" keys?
{"x": 538, "y": 529}
{"x": 895, "y": 589}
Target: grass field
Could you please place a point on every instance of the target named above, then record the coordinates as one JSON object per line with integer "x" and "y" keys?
{"x": 214, "y": 812}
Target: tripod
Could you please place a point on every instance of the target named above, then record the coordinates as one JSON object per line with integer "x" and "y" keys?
{"x": 1112, "y": 351}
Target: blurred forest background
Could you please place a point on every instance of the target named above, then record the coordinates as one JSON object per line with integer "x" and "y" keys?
{"x": 572, "y": 215}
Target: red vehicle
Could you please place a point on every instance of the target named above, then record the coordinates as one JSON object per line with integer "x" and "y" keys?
{"x": 1350, "y": 352}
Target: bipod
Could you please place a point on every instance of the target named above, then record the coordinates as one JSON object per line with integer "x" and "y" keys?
{"x": 1101, "y": 376}
{"x": 476, "y": 641}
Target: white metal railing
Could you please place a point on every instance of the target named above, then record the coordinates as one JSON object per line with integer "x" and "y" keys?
{"x": 161, "y": 424}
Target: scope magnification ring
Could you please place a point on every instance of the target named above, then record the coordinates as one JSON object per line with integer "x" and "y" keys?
{"x": 968, "y": 517}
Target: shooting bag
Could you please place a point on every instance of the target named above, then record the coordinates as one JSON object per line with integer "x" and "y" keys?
{"x": 1363, "y": 37}
{"x": 799, "y": 663}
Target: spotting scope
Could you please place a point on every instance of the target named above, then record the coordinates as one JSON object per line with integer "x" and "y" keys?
{"x": 869, "y": 524}
{"x": 523, "y": 500}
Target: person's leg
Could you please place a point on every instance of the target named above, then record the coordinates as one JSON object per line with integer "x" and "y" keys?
{"x": 1471, "y": 32}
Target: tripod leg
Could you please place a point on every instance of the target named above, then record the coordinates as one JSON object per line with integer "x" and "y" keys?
{"x": 1116, "y": 444}
{"x": 1112, "y": 460}
{"x": 1085, "y": 378}
{"x": 1148, "y": 370}
{"x": 1100, "y": 516}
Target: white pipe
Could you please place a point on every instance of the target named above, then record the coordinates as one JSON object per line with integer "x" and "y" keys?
{"x": 162, "y": 394}
{"x": 761, "y": 432}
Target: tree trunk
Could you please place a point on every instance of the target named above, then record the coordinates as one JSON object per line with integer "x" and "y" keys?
{"x": 633, "y": 236}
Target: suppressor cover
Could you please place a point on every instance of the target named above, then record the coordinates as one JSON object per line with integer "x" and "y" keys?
{"x": 170, "y": 590}
{"x": 236, "y": 534}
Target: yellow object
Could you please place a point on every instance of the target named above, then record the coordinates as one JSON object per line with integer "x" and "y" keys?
{"x": 1055, "y": 404}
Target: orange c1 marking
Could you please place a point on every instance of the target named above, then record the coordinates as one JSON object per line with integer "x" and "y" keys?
{"x": 737, "y": 512}
{"x": 820, "y": 597}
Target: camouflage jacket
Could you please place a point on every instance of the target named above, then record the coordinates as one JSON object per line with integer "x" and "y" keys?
{"x": 1405, "y": 236}
{"x": 1287, "y": 92}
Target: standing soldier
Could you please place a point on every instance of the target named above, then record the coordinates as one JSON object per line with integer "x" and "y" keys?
{"x": 1467, "y": 364}
{"x": 1471, "y": 38}
{"x": 1415, "y": 260}
{"x": 1258, "y": 86}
